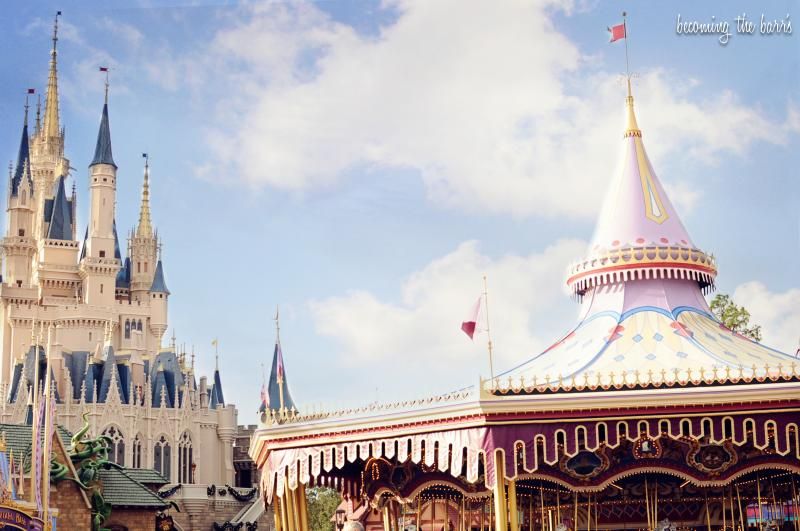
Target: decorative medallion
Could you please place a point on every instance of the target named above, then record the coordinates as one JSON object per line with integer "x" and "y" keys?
{"x": 712, "y": 459}
{"x": 585, "y": 464}
{"x": 646, "y": 448}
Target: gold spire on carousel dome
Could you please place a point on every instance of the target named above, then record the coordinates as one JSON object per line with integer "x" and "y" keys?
{"x": 631, "y": 126}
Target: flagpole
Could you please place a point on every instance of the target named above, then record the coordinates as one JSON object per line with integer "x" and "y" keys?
{"x": 279, "y": 370}
{"x": 627, "y": 63}
{"x": 488, "y": 330}
{"x": 34, "y": 412}
{"x": 48, "y": 419}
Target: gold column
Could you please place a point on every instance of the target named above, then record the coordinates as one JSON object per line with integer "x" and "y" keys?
{"x": 513, "y": 516}
{"x": 285, "y": 520}
{"x": 302, "y": 506}
{"x": 387, "y": 521}
{"x": 291, "y": 517}
{"x": 500, "y": 516}
{"x": 276, "y": 512}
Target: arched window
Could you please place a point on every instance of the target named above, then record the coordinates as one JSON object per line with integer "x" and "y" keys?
{"x": 137, "y": 451}
{"x": 161, "y": 457}
{"x": 185, "y": 459}
{"x": 116, "y": 448}
{"x": 139, "y": 325}
{"x": 127, "y": 328}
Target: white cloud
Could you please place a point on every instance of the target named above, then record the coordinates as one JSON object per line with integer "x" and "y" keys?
{"x": 777, "y": 313}
{"x": 515, "y": 120}
{"x": 529, "y": 310}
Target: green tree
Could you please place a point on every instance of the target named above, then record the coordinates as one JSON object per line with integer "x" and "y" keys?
{"x": 737, "y": 318}
{"x": 322, "y": 503}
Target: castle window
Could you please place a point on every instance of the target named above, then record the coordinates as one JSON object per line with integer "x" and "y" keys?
{"x": 138, "y": 267}
{"x": 137, "y": 451}
{"x": 21, "y": 232}
{"x": 24, "y": 198}
{"x": 185, "y": 459}
{"x": 161, "y": 457}
{"x": 145, "y": 267}
{"x": 102, "y": 254}
{"x": 101, "y": 288}
{"x": 127, "y": 328}
{"x": 90, "y": 336}
{"x": 139, "y": 325}
{"x": 116, "y": 449}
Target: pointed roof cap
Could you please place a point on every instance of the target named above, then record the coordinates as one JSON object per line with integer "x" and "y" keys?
{"x": 637, "y": 210}
{"x": 60, "y": 214}
{"x": 638, "y": 228}
{"x": 23, "y": 169}
{"x": 117, "y": 252}
{"x": 102, "y": 150}
{"x": 159, "y": 285}
{"x": 85, "y": 242}
{"x": 278, "y": 394}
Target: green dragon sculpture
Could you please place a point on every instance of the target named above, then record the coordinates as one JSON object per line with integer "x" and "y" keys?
{"x": 89, "y": 456}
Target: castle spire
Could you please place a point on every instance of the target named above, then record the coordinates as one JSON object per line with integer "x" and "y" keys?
{"x": 52, "y": 128}
{"x": 102, "y": 150}
{"x": 145, "y": 227}
{"x": 22, "y": 169}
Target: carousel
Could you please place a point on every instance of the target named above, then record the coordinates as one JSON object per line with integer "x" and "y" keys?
{"x": 648, "y": 414}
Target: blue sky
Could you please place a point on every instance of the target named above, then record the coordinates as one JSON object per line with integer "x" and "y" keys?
{"x": 362, "y": 164}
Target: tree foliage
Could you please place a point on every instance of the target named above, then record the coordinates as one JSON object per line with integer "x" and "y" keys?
{"x": 322, "y": 503}
{"x": 737, "y": 318}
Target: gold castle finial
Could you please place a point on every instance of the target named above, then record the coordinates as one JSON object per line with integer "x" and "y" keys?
{"x": 51, "y": 125}
{"x": 145, "y": 227}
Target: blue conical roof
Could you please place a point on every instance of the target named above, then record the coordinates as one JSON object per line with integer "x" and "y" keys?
{"x": 159, "y": 285}
{"x": 85, "y": 241}
{"x": 124, "y": 274}
{"x": 278, "y": 380}
{"x": 60, "y": 214}
{"x": 23, "y": 161}
{"x": 102, "y": 151}
{"x": 117, "y": 253}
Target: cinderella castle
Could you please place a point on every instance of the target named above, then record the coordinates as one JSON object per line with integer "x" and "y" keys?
{"x": 98, "y": 311}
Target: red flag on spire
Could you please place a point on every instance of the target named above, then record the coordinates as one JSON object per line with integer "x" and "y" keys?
{"x": 617, "y": 32}
{"x": 468, "y": 326}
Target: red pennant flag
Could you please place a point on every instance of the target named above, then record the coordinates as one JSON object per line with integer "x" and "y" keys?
{"x": 617, "y": 32}
{"x": 468, "y": 326}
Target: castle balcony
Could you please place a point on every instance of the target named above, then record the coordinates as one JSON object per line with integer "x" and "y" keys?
{"x": 18, "y": 294}
{"x": 18, "y": 242}
{"x": 63, "y": 244}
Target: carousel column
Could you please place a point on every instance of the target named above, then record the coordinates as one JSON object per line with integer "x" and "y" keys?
{"x": 302, "y": 506}
{"x": 285, "y": 520}
{"x": 387, "y": 519}
{"x": 291, "y": 504}
{"x": 276, "y": 513}
{"x": 499, "y": 494}
{"x": 512, "y": 506}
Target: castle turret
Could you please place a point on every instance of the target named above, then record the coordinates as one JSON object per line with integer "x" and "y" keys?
{"x": 99, "y": 266}
{"x": 144, "y": 246}
{"x": 159, "y": 296}
{"x": 18, "y": 245}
